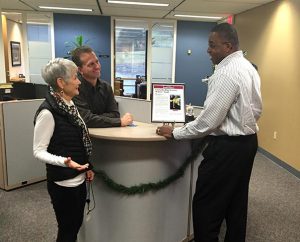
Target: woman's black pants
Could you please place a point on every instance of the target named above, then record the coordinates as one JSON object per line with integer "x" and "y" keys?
{"x": 68, "y": 204}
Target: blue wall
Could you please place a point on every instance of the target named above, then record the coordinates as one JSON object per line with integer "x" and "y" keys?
{"x": 190, "y": 69}
{"x": 95, "y": 29}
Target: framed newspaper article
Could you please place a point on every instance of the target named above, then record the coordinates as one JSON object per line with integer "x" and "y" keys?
{"x": 168, "y": 103}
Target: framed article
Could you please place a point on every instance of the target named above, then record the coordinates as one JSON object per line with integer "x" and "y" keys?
{"x": 15, "y": 48}
{"x": 168, "y": 103}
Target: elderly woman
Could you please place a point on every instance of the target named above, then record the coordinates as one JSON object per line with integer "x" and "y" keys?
{"x": 61, "y": 140}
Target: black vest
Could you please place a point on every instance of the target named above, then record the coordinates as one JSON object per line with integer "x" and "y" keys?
{"x": 66, "y": 141}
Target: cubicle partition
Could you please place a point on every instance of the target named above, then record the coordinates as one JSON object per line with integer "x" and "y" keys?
{"x": 18, "y": 167}
{"x": 139, "y": 108}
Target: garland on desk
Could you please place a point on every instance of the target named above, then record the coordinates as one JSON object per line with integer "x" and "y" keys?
{"x": 197, "y": 147}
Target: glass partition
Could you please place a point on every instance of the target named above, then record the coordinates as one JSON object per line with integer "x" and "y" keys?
{"x": 39, "y": 44}
{"x": 162, "y": 52}
{"x": 143, "y": 53}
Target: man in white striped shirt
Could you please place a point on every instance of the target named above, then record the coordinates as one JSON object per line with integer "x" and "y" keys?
{"x": 229, "y": 121}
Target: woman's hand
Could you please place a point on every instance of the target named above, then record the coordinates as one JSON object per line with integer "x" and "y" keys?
{"x": 74, "y": 165}
{"x": 89, "y": 175}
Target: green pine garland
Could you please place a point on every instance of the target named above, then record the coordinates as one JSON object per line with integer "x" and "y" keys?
{"x": 197, "y": 147}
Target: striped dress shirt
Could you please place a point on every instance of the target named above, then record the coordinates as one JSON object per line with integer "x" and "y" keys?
{"x": 233, "y": 103}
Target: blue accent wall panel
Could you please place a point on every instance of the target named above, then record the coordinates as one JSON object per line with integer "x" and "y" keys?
{"x": 190, "y": 69}
{"x": 95, "y": 30}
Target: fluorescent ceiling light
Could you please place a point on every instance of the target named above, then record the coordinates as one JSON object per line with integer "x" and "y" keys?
{"x": 197, "y": 16}
{"x": 38, "y": 23}
{"x": 69, "y": 9}
{"x": 139, "y": 3}
{"x": 134, "y": 28}
{"x": 10, "y": 13}
{"x": 166, "y": 26}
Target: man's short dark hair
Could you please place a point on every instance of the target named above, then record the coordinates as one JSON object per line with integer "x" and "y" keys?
{"x": 228, "y": 33}
{"x": 77, "y": 53}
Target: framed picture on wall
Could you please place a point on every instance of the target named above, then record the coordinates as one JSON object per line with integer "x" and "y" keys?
{"x": 15, "y": 48}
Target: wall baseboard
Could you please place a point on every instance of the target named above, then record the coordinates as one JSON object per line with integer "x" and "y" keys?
{"x": 279, "y": 162}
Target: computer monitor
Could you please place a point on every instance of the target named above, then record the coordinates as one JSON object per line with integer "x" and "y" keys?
{"x": 142, "y": 90}
{"x": 23, "y": 90}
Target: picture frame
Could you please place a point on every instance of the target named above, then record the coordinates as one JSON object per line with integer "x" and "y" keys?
{"x": 15, "y": 48}
{"x": 168, "y": 103}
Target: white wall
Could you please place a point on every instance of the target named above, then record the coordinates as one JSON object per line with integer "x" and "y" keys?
{"x": 2, "y": 59}
{"x": 14, "y": 33}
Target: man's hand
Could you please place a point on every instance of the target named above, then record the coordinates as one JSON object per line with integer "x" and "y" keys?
{"x": 165, "y": 131}
{"x": 89, "y": 175}
{"x": 74, "y": 165}
{"x": 126, "y": 119}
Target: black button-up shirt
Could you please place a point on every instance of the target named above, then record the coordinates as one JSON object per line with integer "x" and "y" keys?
{"x": 97, "y": 105}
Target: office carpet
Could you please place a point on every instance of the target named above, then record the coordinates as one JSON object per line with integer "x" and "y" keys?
{"x": 274, "y": 209}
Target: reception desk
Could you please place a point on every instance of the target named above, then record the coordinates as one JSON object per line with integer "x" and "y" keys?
{"x": 131, "y": 156}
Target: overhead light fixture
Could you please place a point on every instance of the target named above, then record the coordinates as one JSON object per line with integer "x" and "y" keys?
{"x": 166, "y": 26}
{"x": 139, "y": 3}
{"x": 38, "y": 23}
{"x": 197, "y": 16}
{"x": 133, "y": 28}
{"x": 68, "y": 9}
{"x": 10, "y": 13}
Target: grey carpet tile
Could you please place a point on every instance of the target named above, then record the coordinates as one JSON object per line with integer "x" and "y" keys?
{"x": 274, "y": 204}
{"x": 26, "y": 214}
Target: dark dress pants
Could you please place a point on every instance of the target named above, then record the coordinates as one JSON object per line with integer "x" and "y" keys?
{"x": 222, "y": 188}
{"x": 68, "y": 204}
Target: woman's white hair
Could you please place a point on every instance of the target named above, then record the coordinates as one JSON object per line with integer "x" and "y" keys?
{"x": 58, "y": 68}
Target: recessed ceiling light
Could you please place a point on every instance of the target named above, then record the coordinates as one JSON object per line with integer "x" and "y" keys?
{"x": 68, "y": 9}
{"x": 10, "y": 13}
{"x": 139, "y": 3}
{"x": 38, "y": 23}
{"x": 197, "y": 16}
{"x": 125, "y": 27}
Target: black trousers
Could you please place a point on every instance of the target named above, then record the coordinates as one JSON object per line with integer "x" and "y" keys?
{"x": 68, "y": 204}
{"x": 222, "y": 188}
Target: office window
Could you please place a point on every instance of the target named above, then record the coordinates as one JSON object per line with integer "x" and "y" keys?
{"x": 38, "y": 32}
{"x": 130, "y": 48}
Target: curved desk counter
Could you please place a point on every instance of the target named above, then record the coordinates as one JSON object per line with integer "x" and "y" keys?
{"x": 131, "y": 156}
{"x": 138, "y": 132}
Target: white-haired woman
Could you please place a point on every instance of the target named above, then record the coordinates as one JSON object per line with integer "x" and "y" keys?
{"x": 61, "y": 140}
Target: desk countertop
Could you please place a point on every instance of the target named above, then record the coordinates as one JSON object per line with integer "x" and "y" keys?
{"x": 139, "y": 132}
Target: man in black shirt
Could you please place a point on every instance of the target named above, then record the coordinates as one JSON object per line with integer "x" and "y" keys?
{"x": 96, "y": 103}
